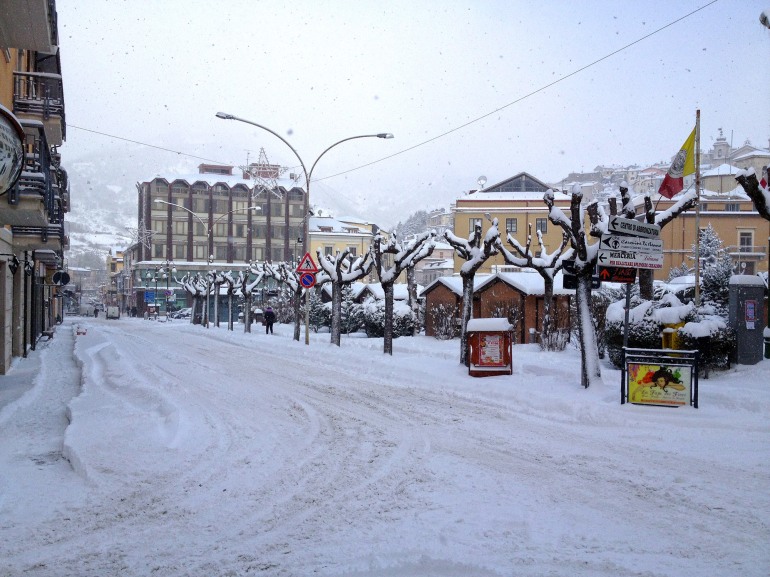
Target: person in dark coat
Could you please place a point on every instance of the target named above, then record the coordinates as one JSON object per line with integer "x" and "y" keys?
{"x": 269, "y": 320}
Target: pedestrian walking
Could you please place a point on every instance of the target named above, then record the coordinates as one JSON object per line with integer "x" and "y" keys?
{"x": 269, "y": 320}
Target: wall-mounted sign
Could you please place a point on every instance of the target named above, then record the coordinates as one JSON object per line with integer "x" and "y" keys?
{"x": 11, "y": 149}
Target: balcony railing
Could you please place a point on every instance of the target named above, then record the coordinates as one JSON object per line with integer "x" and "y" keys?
{"x": 39, "y": 176}
{"x": 744, "y": 251}
{"x": 39, "y": 93}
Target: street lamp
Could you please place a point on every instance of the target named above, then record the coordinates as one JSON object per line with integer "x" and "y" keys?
{"x": 209, "y": 243}
{"x": 308, "y": 175}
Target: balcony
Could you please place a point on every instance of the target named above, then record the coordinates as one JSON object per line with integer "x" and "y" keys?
{"x": 50, "y": 237}
{"x": 38, "y": 199}
{"x": 40, "y": 96}
{"x": 747, "y": 252}
{"x": 32, "y": 26}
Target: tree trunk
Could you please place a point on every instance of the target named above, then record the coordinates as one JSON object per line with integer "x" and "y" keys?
{"x": 298, "y": 320}
{"x": 546, "y": 335}
{"x": 388, "y": 336}
{"x": 414, "y": 305}
{"x": 336, "y": 329}
{"x": 646, "y": 284}
{"x": 247, "y": 313}
{"x": 467, "y": 314}
{"x": 590, "y": 371}
{"x": 216, "y": 304}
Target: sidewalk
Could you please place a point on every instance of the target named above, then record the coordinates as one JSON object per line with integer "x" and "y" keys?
{"x": 23, "y": 372}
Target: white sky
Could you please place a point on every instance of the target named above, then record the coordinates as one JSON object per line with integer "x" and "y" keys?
{"x": 319, "y": 71}
{"x": 169, "y": 449}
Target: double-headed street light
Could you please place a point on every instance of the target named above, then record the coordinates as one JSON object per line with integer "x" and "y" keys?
{"x": 308, "y": 175}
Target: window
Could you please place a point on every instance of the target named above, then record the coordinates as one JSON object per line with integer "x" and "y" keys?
{"x": 180, "y": 227}
{"x": 511, "y": 225}
{"x": 352, "y": 251}
{"x": 473, "y": 223}
{"x": 201, "y": 251}
{"x": 240, "y": 230}
{"x": 329, "y": 250}
{"x": 220, "y": 252}
{"x": 200, "y": 230}
{"x": 746, "y": 240}
{"x": 732, "y": 207}
{"x": 157, "y": 251}
{"x": 179, "y": 252}
{"x": 541, "y": 224}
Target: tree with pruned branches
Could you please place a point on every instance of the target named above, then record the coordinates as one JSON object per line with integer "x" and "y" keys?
{"x": 475, "y": 250}
{"x": 342, "y": 270}
{"x": 547, "y": 265}
{"x": 405, "y": 256}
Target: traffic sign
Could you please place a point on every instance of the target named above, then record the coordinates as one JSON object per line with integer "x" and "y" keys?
{"x": 307, "y": 264}
{"x": 307, "y": 279}
{"x": 634, "y": 227}
{"x": 630, "y": 258}
{"x": 625, "y": 274}
{"x": 61, "y": 278}
{"x": 631, "y": 243}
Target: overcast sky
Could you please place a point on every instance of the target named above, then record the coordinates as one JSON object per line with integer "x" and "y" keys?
{"x": 551, "y": 83}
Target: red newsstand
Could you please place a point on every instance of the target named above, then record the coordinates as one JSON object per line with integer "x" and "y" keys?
{"x": 490, "y": 347}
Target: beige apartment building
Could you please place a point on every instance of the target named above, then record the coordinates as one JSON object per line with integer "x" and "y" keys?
{"x": 34, "y": 194}
{"x": 517, "y": 203}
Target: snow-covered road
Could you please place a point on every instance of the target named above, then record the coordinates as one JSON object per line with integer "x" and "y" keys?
{"x": 208, "y": 452}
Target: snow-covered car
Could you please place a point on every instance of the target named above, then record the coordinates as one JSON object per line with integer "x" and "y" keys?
{"x": 181, "y": 313}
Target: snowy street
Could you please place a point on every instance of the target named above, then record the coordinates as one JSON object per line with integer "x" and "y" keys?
{"x": 150, "y": 448}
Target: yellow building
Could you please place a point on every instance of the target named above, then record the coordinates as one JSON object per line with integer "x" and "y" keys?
{"x": 34, "y": 194}
{"x": 517, "y": 202}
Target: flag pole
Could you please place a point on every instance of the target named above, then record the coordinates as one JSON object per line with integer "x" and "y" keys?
{"x": 697, "y": 208}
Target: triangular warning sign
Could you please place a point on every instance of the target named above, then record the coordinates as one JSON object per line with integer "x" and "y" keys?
{"x": 307, "y": 264}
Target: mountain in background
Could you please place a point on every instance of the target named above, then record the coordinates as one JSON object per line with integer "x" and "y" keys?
{"x": 103, "y": 195}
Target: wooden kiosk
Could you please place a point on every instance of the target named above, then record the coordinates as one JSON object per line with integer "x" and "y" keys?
{"x": 490, "y": 347}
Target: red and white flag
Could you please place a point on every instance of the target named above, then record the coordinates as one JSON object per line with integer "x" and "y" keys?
{"x": 683, "y": 165}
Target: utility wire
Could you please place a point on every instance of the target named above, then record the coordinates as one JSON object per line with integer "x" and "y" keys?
{"x": 452, "y": 130}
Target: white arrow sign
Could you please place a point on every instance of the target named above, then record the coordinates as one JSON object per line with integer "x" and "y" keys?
{"x": 634, "y": 227}
{"x": 631, "y": 243}
{"x": 631, "y": 259}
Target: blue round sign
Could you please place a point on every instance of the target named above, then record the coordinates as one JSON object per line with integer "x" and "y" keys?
{"x": 307, "y": 279}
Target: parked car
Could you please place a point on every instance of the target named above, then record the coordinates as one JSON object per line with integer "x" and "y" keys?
{"x": 181, "y": 313}
{"x": 113, "y": 312}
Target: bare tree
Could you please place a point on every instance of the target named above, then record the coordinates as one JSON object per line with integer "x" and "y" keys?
{"x": 342, "y": 270}
{"x": 247, "y": 289}
{"x": 585, "y": 262}
{"x": 546, "y": 265}
{"x": 405, "y": 256}
{"x": 197, "y": 287}
{"x": 475, "y": 250}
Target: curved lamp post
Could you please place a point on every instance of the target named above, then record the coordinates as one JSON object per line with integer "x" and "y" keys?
{"x": 308, "y": 175}
{"x": 209, "y": 246}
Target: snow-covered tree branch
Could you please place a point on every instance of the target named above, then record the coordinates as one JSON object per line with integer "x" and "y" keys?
{"x": 475, "y": 250}
{"x": 405, "y": 256}
{"x": 341, "y": 270}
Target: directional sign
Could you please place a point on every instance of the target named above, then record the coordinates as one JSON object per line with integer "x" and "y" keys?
{"x": 618, "y": 274}
{"x": 634, "y": 227}
{"x": 307, "y": 264}
{"x": 626, "y": 258}
{"x": 631, "y": 243}
{"x": 307, "y": 279}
